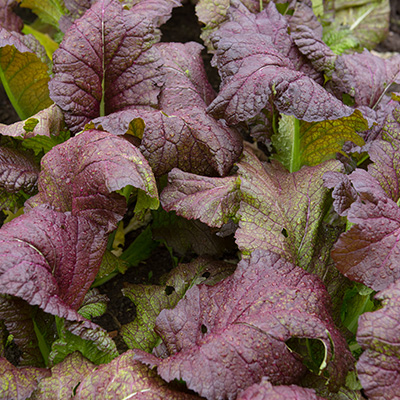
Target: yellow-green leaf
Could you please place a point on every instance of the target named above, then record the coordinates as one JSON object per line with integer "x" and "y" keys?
{"x": 49, "y": 11}
{"x": 25, "y": 79}
{"x": 320, "y": 141}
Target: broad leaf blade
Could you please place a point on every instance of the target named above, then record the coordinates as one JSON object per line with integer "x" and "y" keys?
{"x": 280, "y": 211}
{"x": 82, "y": 175}
{"x": 237, "y": 330}
{"x": 50, "y": 259}
{"x": 127, "y": 377}
{"x": 114, "y": 69}
{"x": 378, "y": 335}
{"x": 19, "y": 383}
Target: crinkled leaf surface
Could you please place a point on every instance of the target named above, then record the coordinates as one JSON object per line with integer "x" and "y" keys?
{"x": 180, "y": 133}
{"x": 364, "y": 76}
{"x": 23, "y": 73}
{"x": 17, "y": 316}
{"x": 265, "y": 391}
{"x": 46, "y": 122}
{"x": 82, "y": 174}
{"x": 378, "y": 334}
{"x": 212, "y": 201}
{"x": 105, "y": 63}
{"x": 281, "y": 211}
{"x": 8, "y": 19}
{"x": 19, "y": 383}
{"x": 150, "y": 300}
{"x": 124, "y": 378}
{"x": 18, "y": 171}
{"x": 237, "y": 330}
{"x": 255, "y": 71}
{"x": 369, "y": 252}
{"x": 50, "y": 259}
{"x": 65, "y": 376}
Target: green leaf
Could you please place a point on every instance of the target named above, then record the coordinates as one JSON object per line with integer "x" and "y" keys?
{"x": 140, "y": 249}
{"x": 49, "y": 11}
{"x": 280, "y": 211}
{"x": 25, "y": 80}
{"x": 300, "y": 143}
{"x": 42, "y": 143}
{"x": 368, "y": 20}
{"x": 93, "y": 344}
{"x": 110, "y": 267}
{"x": 95, "y": 304}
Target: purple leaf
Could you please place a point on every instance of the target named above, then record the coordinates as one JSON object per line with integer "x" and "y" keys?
{"x": 82, "y": 174}
{"x": 237, "y": 329}
{"x": 105, "y": 58}
{"x": 125, "y": 377}
{"x": 17, "y": 171}
{"x": 19, "y": 383}
{"x": 255, "y": 70}
{"x": 8, "y": 19}
{"x": 50, "y": 259}
{"x": 211, "y": 200}
{"x": 16, "y": 315}
{"x": 378, "y": 334}
{"x": 181, "y": 134}
{"x": 265, "y": 391}
{"x": 364, "y": 76}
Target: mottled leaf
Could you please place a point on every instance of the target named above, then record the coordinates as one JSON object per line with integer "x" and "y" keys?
{"x": 150, "y": 300}
{"x": 105, "y": 63}
{"x": 211, "y": 200}
{"x": 82, "y": 174}
{"x": 65, "y": 376}
{"x": 24, "y": 73}
{"x": 19, "y": 383}
{"x": 378, "y": 334}
{"x": 17, "y": 171}
{"x": 50, "y": 259}
{"x": 301, "y": 143}
{"x": 237, "y": 330}
{"x": 125, "y": 378}
{"x": 281, "y": 211}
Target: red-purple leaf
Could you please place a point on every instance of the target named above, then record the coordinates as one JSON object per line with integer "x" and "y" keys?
{"x": 50, "y": 259}
{"x": 265, "y": 391}
{"x": 378, "y": 334}
{"x": 126, "y": 378}
{"x": 17, "y": 171}
{"x": 255, "y": 70}
{"x": 237, "y": 329}
{"x": 8, "y": 19}
{"x": 105, "y": 58}
{"x": 211, "y": 200}
{"x": 82, "y": 174}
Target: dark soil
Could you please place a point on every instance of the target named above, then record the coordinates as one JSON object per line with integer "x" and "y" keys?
{"x": 182, "y": 27}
